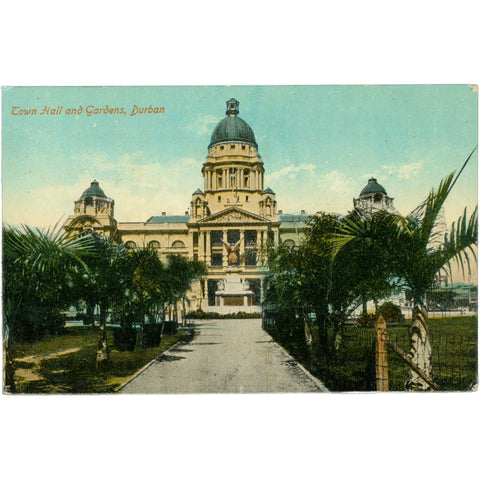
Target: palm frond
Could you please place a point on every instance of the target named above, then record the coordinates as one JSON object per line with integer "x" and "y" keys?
{"x": 459, "y": 242}
{"x": 427, "y": 214}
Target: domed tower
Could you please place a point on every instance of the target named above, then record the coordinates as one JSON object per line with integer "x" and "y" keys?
{"x": 93, "y": 211}
{"x": 374, "y": 198}
{"x": 233, "y": 171}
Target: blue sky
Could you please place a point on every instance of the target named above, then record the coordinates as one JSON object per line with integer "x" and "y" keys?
{"x": 319, "y": 146}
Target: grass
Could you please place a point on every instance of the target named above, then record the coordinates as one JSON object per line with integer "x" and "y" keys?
{"x": 66, "y": 363}
{"x": 454, "y": 353}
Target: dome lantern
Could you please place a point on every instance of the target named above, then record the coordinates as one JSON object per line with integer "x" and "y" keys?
{"x": 232, "y": 107}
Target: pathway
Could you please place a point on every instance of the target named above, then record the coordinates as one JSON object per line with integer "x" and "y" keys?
{"x": 225, "y": 356}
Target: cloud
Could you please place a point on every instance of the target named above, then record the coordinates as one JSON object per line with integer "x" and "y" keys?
{"x": 337, "y": 182}
{"x": 291, "y": 171}
{"x": 408, "y": 170}
{"x": 141, "y": 186}
{"x": 204, "y": 124}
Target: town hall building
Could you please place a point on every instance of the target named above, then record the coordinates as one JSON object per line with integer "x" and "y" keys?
{"x": 228, "y": 226}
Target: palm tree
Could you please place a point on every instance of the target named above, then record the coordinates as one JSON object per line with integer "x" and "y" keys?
{"x": 181, "y": 273}
{"x": 104, "y": 283}
{"x": 38, "y": 266}
{"x": 416, "y": 250}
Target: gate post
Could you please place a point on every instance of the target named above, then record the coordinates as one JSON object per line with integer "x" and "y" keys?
{"x": 381, "y": 358}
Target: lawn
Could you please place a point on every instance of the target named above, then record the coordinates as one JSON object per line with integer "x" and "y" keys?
{"x": 352, "y": 365}
{"x": 65, "y": 363}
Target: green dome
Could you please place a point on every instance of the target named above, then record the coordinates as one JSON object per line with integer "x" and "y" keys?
{"x": 372, "y": 187}
{"x": 233, "y": 128}
{"x": 94, "y": 191}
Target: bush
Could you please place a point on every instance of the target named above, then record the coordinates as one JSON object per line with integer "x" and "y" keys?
{"x": 391, "y": 312}
{"x": 151, "y": 335}
{"x": 367, "y": 319}
{"x": 170, "y": 327}
{"x": 200, "y": 315}
{"x": 124, "y": 339}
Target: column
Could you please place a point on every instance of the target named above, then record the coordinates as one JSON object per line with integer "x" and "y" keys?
{"x": 201, "y": 251}
{"x": 225, "y": 253}
{"x": 276, "y": 239}
{"x": 242, "y": 247}
{"x": 209, "y": 251}
{"x": 226, "y": 181}
{"x": 204, "y": 242}
{"x": 262, "y": 293}
{"x": 259, "y": 247}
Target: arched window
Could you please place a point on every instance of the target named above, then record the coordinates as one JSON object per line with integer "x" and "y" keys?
{"x": 154, "y": 245}
{"x": 178, "y": 244}
{"x": 289, "y": 243}
{"x": 130, "y": 245}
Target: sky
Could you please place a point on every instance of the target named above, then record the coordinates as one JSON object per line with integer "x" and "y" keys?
{"x": 319, "y": 145}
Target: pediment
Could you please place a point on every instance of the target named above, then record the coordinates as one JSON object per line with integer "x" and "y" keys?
{"x": 234, "y": 215}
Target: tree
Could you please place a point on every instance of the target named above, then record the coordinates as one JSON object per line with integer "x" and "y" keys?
{"x": 38, "y": 270}
{"x": 180, "y": 274}
{"x": 105, "y": 283}
{"x": 311, "y": 278}
{"x": 415, "y": 252}
{"x": 149, "y": 290}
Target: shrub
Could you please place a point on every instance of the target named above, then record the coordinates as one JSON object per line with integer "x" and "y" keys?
{"x": 367, "y": 319}
{"x": 391, "y": 312}
{"x": 200, "y": 315}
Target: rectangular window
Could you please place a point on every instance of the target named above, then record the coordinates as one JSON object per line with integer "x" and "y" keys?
{"x": 246, "y": 198}
{"x": 233, "y": 236}
{"x": 219, "y": 199}
{"x": 250, "y": 248}
{"x": 212, "y": 288}
{"x": 217, "y": 259}
{"x": 216, "y": 237}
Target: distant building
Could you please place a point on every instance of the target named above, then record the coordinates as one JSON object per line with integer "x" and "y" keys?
{"x": 373, "y": 198}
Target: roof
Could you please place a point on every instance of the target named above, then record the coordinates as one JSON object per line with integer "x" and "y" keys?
{"x": 372, "y": 187}
{"x": 289, "y": 217}
{"x": 197, "y": 192}
{"x": 169, "y": 219}
{"x": 268, "y": 190}
{"x": 93, "y": 190}
{"x": 233, "y": 128}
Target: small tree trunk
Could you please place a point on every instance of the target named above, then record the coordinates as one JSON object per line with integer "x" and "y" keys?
{"x": 420, "y": 351}
{"x": 90, "y": 313}
{"x": 308, "y": 331}
{"x": 381, "y": 355}
{"x": 364, "y": 307}
{"x": 102, "y": 352}
{"x": 8, "y": 365}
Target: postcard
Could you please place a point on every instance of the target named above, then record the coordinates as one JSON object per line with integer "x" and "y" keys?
{"x": 241, "y": 239}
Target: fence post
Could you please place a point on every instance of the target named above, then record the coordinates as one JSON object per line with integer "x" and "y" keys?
{"x": 381, "y": 358}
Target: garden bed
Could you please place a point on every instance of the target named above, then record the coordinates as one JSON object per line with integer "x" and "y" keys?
{"x": 66, "y": 363}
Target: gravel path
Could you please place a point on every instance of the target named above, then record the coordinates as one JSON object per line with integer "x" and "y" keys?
{"x": 225, "y": 356}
